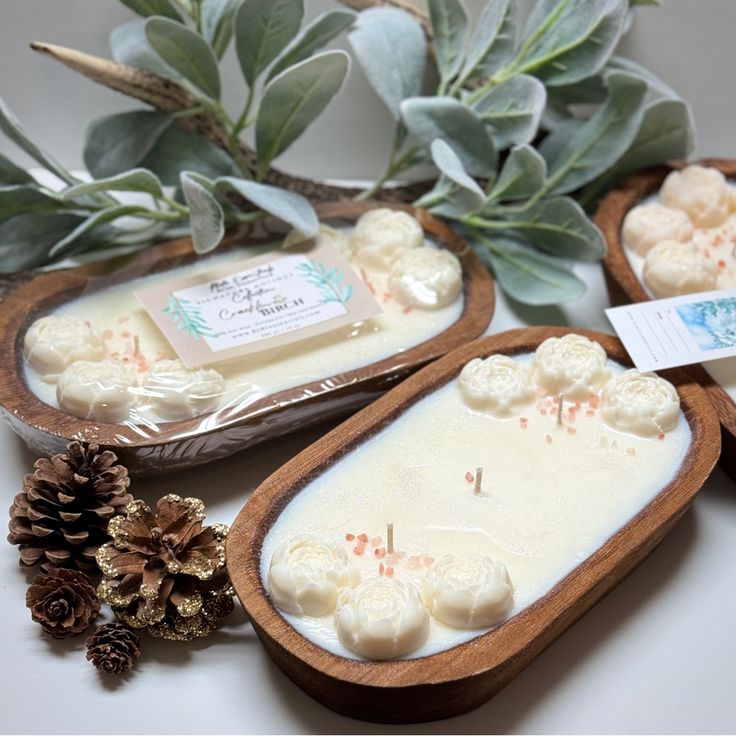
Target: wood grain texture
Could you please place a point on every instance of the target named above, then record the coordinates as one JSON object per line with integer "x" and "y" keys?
{"x": 624, "y": 286}
{"x": 452, "y": 682}
{"x": 186, "y": 443}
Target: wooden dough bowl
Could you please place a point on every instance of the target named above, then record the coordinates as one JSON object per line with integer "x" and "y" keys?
{"x": 182, "y": 444}
{"x": 624, "y": 286}
{"x": 461, "y": 678}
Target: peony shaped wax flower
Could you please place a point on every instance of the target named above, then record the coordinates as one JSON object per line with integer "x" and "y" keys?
{"x": 498, "y": 384}
{"x": 703, "y": 193}
{"x": 306, "y": 574}
{"x": 672, "y": 268}
{"x": 572, "y": 365}
{"x": 99, "y": 391}
{"x": 327, "y": 236}
{"x": 53, "y": 343}
{"x": 382, "y": 235}
{"x": 640, "y": 403}
{"x": 428, "y": 278}
{"x": 468, "y": 591}
{"x": 178, "y": 393}
{"x": 649, "y": 224}
{"x": 382, "y": 618}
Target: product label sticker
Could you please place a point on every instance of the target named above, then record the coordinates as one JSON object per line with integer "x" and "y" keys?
{"x": 260, "y": 303}
{"x": 666, "y": 333}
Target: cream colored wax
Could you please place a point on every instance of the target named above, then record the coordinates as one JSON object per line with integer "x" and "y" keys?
{"x": 115, "y": 314}
{"x": 551, "y": 492}
{"x": 717, "y": 245}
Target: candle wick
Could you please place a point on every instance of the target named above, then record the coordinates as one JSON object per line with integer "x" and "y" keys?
{"x": 478, "y": 480}
{"x": 136, "y": 345}
{"x": 390, "y": 538}
{"x": 559, "y": 410}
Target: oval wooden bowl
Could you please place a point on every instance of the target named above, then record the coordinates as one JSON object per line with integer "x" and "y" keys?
{"x": 185, "y": 443}
{"x": 624, "y": 286}
{"x": 459, "y": 679}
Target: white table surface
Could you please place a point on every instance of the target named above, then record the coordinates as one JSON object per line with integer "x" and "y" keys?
{"x": 655, "y": 656}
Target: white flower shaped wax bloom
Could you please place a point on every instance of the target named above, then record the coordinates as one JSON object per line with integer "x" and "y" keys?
{"x": 99, "y": 391}
{"x": 572, "y": 365}
{"x": 468, "y": 591}
{"x": 640, "y": 403}
{"x": 327, "y": 235}
{"x": 701, "y": 192}
{"x": 498, "y": 384}
{"x": 52, "y": 343}
{"x": 178, "y": 393}
{"x": 672, "y": 268}
{"x": 306, "y": 574}
{"x": 383, "y": 235}
{"x": 648, "y": 224}
{"x": 428, "y": 278}
{"x": 382, "y": 618}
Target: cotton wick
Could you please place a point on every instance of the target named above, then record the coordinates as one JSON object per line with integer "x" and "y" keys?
{"x": 478, "y": 480}
{"x": 390, "y": 538}
{"x": 136, "y": 345}
{"x": 559, "y": 410}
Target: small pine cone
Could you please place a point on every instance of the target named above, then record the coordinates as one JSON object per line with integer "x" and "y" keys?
{"x": 164, "y": 570}
{"x": 61, "y": 515}
{"x": 64, "y": 602}
{"x": 113, "y": 648}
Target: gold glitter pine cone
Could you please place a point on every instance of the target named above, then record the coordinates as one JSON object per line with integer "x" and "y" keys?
{"x": 63, "y": 602}
{"x": 113, "y": 648}
{"x": 61, "y": 515}
{"x": 165, "y": 571}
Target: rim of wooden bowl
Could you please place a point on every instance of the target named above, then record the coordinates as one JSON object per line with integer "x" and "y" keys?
{"x": 501, "y": 653}
{"x": 48, "y": 290}
{"x": 624, "y": 286}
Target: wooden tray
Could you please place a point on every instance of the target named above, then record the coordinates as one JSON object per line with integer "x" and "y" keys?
{"x": 624, "y": 286}
{"x": 459, "y": 679}
{"x": 185, "y": 443}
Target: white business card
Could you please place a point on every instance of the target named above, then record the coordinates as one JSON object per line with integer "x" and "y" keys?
{"x": 666, "y": 333}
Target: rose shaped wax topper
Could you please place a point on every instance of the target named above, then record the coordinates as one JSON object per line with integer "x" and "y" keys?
{"x": 382, "y": 618}
{"x": 673, "y": 268}
{"x": 178, "y": 393}
{"x": 468, "y": 591}
{"x": 306, "y": 575}
{"x": 99, "y": 391}
{"x": 383, "y": 235}
{"x": 53, "y": 343}
{"x": 703, "y": 193}
{"x": 499, "y": 385}
{"x": 640, "y": 403}
{"x": 572, "y": 366}
{"x": 648, "y": 224}
{"x": 427, "y": 278}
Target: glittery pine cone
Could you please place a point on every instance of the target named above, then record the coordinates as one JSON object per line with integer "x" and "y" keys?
{"x": 64, "y": 602}
{"x": 61, "y": 515}
{"x": 113, "y": 648}
{"x": 165, "y": 571}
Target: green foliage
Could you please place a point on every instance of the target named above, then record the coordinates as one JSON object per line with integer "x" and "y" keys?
{"x": 525, "y": 121}
{"x": 550, "y": 102}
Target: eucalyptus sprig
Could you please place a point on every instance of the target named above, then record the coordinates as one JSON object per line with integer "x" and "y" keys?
{"x": 288, "y": 83}
{"x": 526, "y": 124}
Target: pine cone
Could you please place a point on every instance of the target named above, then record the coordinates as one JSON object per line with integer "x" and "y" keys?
{"x": 63, "y": 602}
{"x": 113, "y": 648}
{"x": 166, "y": 572}
{"x": 60, "y": 517}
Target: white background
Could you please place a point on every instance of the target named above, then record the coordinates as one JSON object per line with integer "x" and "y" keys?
{"x": 655, "y": 656}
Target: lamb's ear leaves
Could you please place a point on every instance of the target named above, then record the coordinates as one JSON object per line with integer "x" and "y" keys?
{"x": 11, "y": 174}
{"x": 450, "y": 25}
{"x": 218, "y": 17}
{"x": 263, "y": 29}
{"x": 493, "y": 41}
{"x": 21, "y": 198}
{"x": 392, "y": 50}
{"x": 523, "y": 175}
{"x": 205, "y": 213}
{"x": 135, "y": 180}
{"x": 145, "y": 8}
{"x": 293, "y": 99}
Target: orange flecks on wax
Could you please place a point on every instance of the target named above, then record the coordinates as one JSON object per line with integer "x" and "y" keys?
{"x": 363, "y": 538}
{"x": 548, "y": 439}
{"x": 349, "y": 537}
{"x": 107, "y": 334}
{"x": 428, "y": 561}
{"x": 572, "y": 430}
{"x": 359, "y": 549}
{"x": 386, "y": 297}
{"x": 389, "y": 572}
{"x": 721, "y": 264}
{"x": 407, "y": 309}
{"x": 631, "y": 451}
{"x": 381, "y": 568}
{"x": 590, "y": 413}
{"x": 126, "y": 333}
{"x": 660, "y": 436}
{"x": 469, "y": 477}
{"x": 380, "y": 552}
{"x": 376, "y": 541}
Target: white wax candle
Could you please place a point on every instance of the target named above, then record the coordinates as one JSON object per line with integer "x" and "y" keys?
{"x": 551, "y": 495}
{"x": 718, "y": 247}
{"x": 131, "y": 337}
